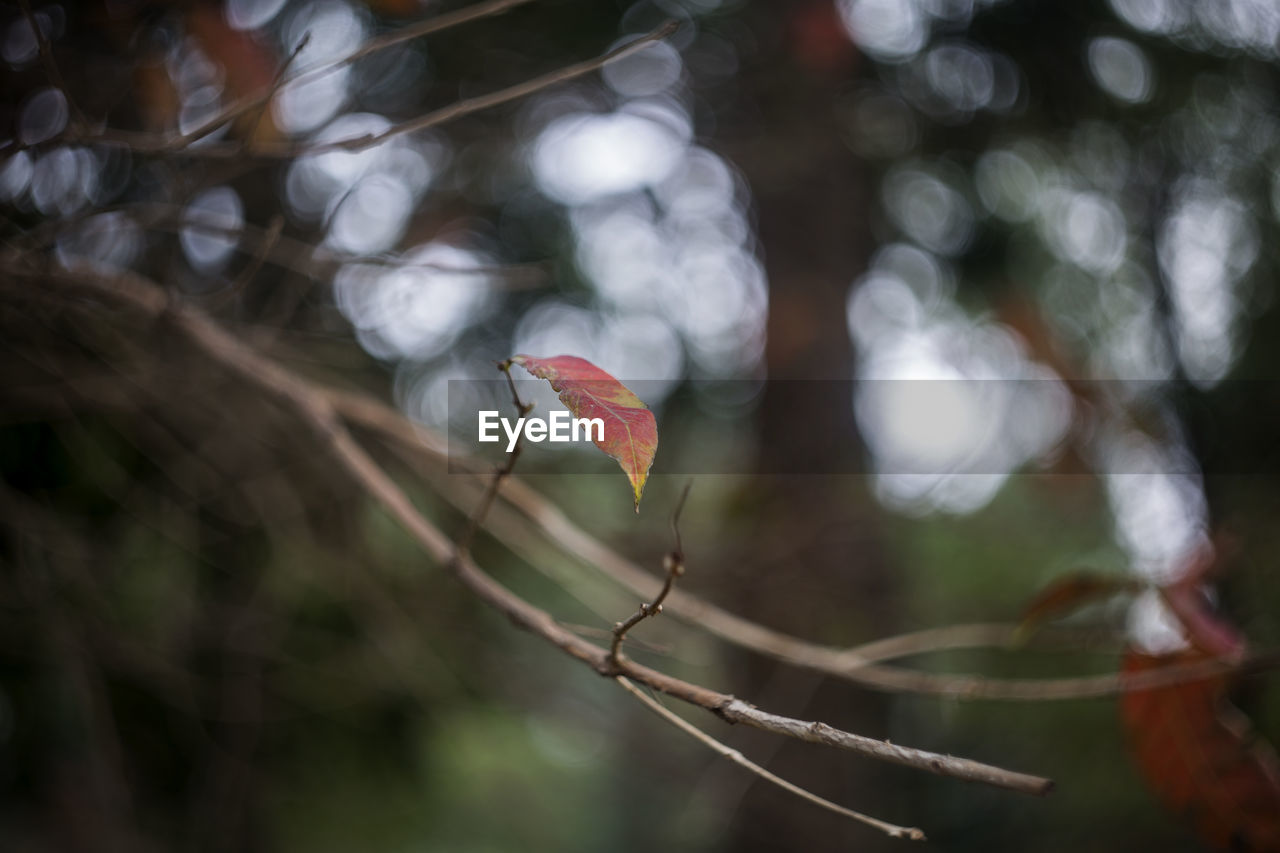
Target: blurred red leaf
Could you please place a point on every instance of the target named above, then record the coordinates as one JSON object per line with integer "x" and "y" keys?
{"x": 1199, "y": 754}
{"x": 1196, "y": 750}
{"x": 630, "y": 431}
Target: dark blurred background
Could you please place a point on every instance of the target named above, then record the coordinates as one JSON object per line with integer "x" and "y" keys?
{"x": 210, "y": 641}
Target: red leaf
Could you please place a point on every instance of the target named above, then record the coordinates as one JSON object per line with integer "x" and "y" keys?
{"x": 1196, "y": 750}
{"x": 1199, "y": 755}
{"x": 630, "y": 431}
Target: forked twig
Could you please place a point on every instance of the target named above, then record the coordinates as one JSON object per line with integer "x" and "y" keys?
{"x": 892, "y": 830}
{"x": 672, "y": 565}
{"x": 246, "y": 276}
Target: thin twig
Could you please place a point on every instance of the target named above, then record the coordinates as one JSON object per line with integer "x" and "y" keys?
{"x": 314, "y": 262}
{"x": 411, "y": 32}
{"x": 173, "y": 144}
{"x": 150, "y": 144}
{"x": 317, "y": 262}
{"x": 1005, "y": 636}
{"x": 245, "y": 106}
{"x": 477, "y": 104}
{"x": 856, "y": 664}
{"x": 673, "y": 566}
{"x": 463, "y": 542}
{"x": 51, "y": 66}
{"x": 274, "y": 89}
{"x": 373, "y": 45}
{"x": 265, "y": 247}
{"x": 587, "y": 588}
{"x": 311, "y": 404}
{"x": 892, "y": 830}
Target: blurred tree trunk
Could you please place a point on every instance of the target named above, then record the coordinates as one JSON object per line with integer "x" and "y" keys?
{"x": 811, "y": 561}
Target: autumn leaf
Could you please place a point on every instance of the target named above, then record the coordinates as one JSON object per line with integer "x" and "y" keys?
{"x": 630, "y": 431}
{"x": 1196, "y": 750}
{"x": 1200, "y": 756}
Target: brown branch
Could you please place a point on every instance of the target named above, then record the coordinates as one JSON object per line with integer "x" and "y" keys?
{"x": 315, "y": 408}
{"x": 142, "y": 143}
{"x": 246, "y": 276}
{"x": 673, "y": 566}
{"x": 314, "y": 262}
{"x": 373, "y": 45}
{"x": 463, "y": 543}
{"x": 51, "y": 66}
{"x": 277, "y": 84}
{"x": 174, "y": 144}
{"x": 985, "y": 635}
{"x": 411, "y": 32}
{"x": 816, "y": 732}
{"x": 892, "y": 830}
{"x": 317, "y": 262}
{"x": 857, "y": 664}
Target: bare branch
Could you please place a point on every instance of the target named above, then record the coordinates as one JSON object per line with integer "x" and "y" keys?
{"x": 463, "y": 542}
{"x": 314, "y": 262}
{"x": 244, "y": 106}
{"x": 50, "y": 65}
{"x": 411, "y": 32}
{"x": 372, "y": 46}
{"x": 315, "y": 408}
{"x": 985, "y": 635}
{"x": 277, "y": 84}
{"x": 944, "y": 765}
{"x": 892, "y": 830}
{"x": 673, "y": 566}
{"x": 150, "y": 144}
{"x": 858, "y": 664}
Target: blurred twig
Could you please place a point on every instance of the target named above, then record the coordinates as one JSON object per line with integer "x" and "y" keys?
{"x": 463, "y": 542}
{"x": 414, "y": 31}
{"x": 79, "y": 124}
{"x": 314, "y": 262}
{"x": 859, "y": 664}
{"x": 277, "y": 84}
{"x": 265, "y": 246}
{"x": 143, "y": 143}
{"x": 374, "y": 45}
